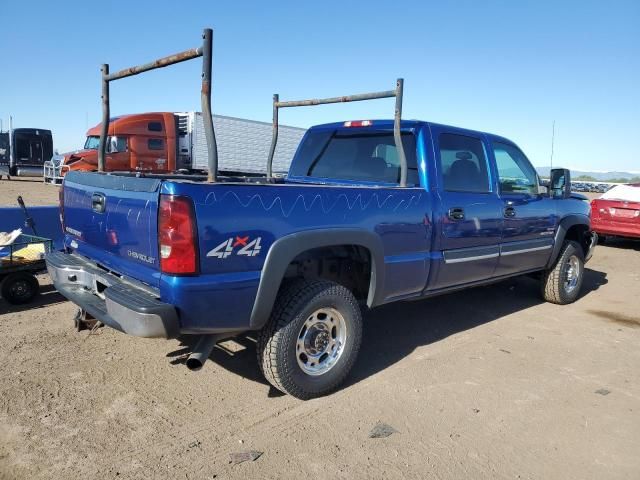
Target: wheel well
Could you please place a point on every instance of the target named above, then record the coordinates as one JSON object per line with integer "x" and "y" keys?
{"x": 348, "y": 265}
{"x": 580, "y": 234}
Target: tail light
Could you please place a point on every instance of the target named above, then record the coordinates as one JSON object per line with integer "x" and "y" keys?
{"x": 61, "y": 200}
{"x": 177, "y": 236}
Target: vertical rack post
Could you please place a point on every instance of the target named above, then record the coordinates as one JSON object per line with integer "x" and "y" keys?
{"x": 205, "y": 99}
{"x": 104, "y": 130}
{"x": 274, "y": 138}
{"x": 397, "y": 136}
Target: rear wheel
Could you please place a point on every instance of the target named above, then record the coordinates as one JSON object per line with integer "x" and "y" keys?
{"x": 561, "y": 284}
{"x": 19, "y": 288}
{"x": 312, "y": 339}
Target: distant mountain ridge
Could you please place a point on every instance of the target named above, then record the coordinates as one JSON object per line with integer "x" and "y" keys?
{"x": 600, "y": 176}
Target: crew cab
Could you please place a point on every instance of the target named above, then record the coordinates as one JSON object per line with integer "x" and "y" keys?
{"x": 297, "y": 259}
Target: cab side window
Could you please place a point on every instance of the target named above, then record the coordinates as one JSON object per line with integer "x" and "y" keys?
{"x": 515, "y": 172}
{"x": 463, "y": 164}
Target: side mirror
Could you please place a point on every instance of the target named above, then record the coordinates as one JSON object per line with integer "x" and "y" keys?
{"x": 560, "y": 183}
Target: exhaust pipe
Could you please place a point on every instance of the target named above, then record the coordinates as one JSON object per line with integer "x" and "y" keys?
{"x": 202, "y": 350}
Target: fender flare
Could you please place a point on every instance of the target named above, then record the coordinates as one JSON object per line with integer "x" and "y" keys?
{"x": 565, "y": 224}
{"x": 285, "y": 249}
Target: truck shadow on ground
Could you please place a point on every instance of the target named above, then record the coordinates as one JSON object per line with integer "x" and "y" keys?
{"x": 394, "y": 331}
{"x": 48, "y": 296}
{"x": 624, "y": 243}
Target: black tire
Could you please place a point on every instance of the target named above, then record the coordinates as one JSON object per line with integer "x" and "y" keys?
{"x": 556, "y": 285}
{"x": 19, "y": 288}
{"x": 278, "y": 342}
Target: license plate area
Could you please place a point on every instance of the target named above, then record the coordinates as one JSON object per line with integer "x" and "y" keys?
{"x": 100, "y": 284}
{"x": 624, "y": 213}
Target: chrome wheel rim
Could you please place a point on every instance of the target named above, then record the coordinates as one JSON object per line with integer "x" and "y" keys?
{"x": 573, "y": 274}
{"x": 321, "y": 341}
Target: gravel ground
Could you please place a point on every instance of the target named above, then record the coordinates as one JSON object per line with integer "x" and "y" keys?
{"x": 486, "y": 383}
{"x": 33, "y": 191}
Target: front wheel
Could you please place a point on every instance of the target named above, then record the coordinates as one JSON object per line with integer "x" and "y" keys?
{"x": 312, "y": 338}
{"x": 561, "y": 284}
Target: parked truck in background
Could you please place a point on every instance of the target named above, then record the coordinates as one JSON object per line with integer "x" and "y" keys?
{"x": 23, "y": 151}
{"x": 165, "y": 142}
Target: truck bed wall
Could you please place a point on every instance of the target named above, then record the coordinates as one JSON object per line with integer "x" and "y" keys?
{"x": 224, "y": 293}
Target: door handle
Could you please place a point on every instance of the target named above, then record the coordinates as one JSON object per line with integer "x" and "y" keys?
{"x": 98, "y": 202}
{"x": 456, "y": 213}
{"x": 509, "y": 212}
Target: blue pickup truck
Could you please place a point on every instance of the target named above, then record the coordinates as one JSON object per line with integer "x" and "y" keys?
{"x": 297, "y": 259}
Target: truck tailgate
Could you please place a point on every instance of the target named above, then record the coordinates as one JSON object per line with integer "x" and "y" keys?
{"x": 113, "y": 220}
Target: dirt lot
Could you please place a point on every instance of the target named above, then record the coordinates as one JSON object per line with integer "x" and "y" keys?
{"x": 487, "y": 383}
{"x": 33, "y": 191}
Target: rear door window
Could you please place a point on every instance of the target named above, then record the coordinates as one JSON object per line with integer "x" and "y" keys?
{"x": 463, "y": 164}
{"x": 370, "y": 157}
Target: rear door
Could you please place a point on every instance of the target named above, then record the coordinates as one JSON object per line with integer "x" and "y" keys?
{"x": 469, "y": 217}
{"x": 113, "y": 220}
{"x": 529, "y": 216}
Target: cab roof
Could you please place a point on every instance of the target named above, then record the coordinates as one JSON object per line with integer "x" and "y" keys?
{"x": 387, "y": 124}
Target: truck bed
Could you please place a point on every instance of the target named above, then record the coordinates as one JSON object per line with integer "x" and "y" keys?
{"x": 238, "y": 221}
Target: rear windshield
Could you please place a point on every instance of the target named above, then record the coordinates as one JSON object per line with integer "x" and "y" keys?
{"x": 341, "y": 155}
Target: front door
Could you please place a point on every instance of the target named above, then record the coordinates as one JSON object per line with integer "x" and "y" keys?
{"x": 529, "y": 216}
{"x": 469, "y": 218}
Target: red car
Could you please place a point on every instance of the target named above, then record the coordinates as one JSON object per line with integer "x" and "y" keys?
{"x": 617, "y": 212}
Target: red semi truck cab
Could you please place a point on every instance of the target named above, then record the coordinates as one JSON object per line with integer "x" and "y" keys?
{"x": 138, "y": 142}
{"x": 167, "y": 142}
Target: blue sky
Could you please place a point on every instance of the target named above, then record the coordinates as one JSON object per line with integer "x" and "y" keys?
{"x": 501, "y": 66}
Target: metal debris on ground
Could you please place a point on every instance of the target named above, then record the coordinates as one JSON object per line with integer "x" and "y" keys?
{"x": 250, "y": 456}
{"x": 602, "y": 391}
{"x": 382, "y": 430}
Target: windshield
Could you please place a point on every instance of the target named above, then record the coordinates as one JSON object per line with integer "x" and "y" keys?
{"x": 92, "y": 143}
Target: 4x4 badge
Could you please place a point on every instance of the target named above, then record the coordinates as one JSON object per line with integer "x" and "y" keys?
{"x": 226, "y": 248}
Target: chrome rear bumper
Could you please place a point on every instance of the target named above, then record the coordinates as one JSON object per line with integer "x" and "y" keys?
{"x": 127, "y": 306}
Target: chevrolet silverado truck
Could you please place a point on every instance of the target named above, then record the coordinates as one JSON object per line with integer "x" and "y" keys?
{"x": 371, "y": 212}
{"x": 295, "y": 260}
